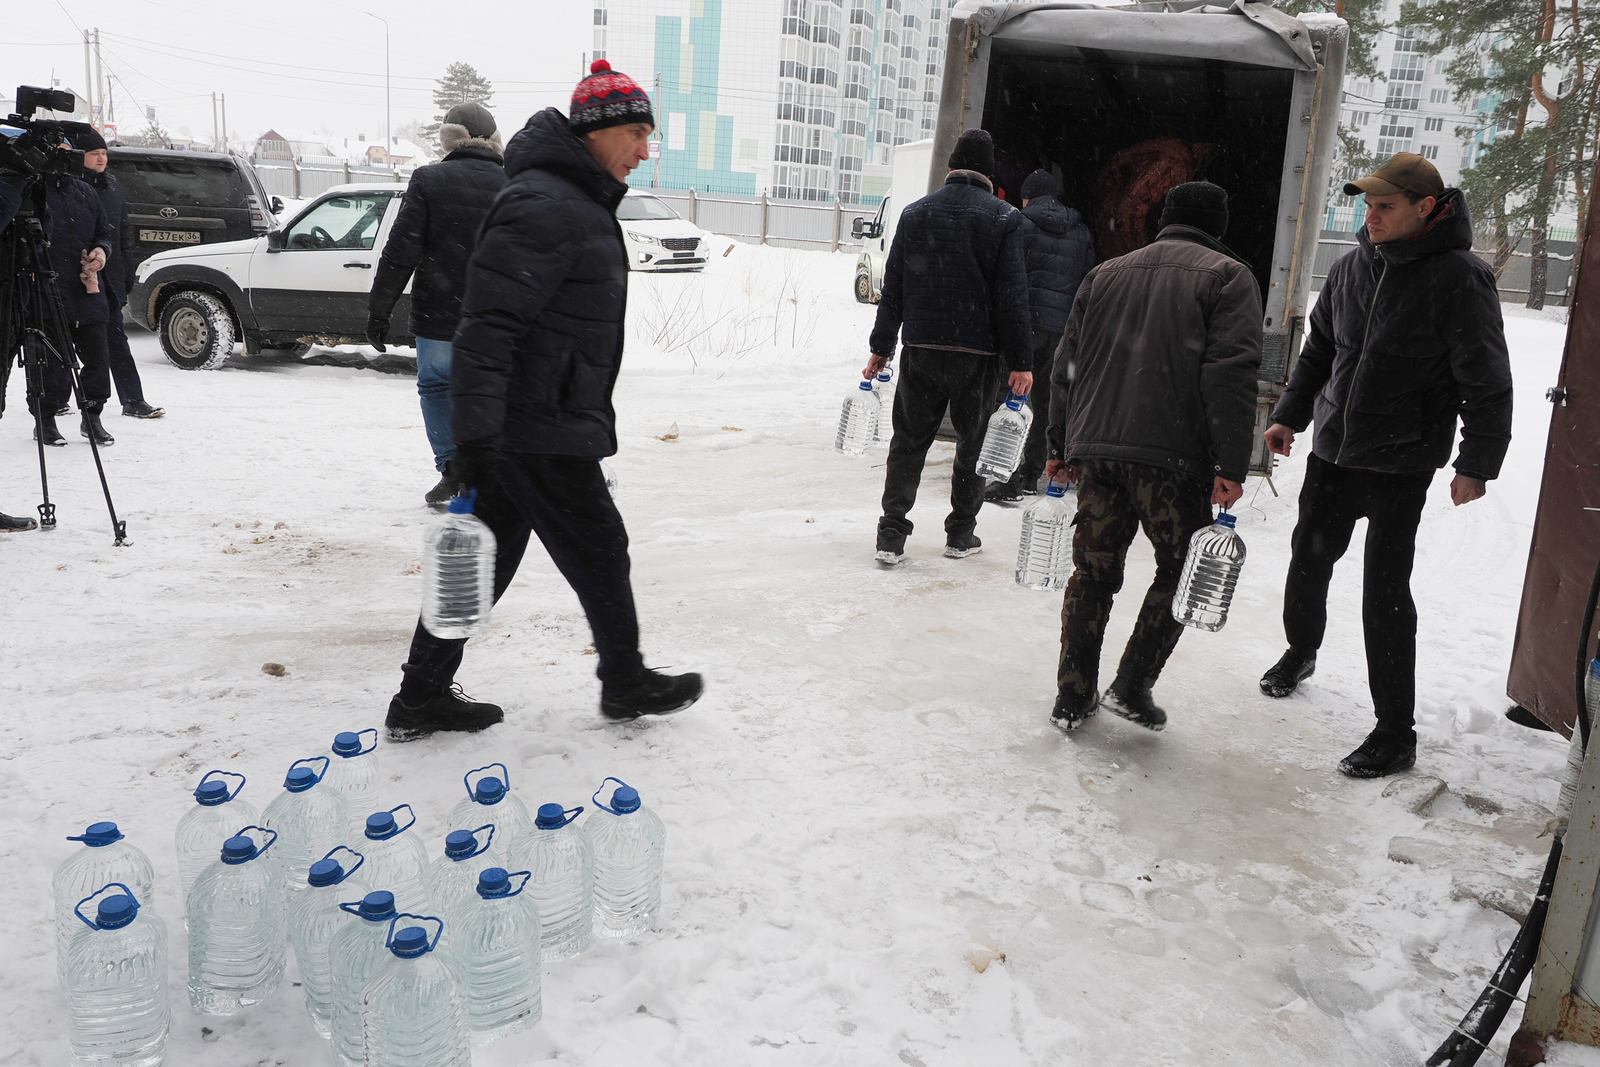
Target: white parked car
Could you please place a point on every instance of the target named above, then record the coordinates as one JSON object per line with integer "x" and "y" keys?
{"x": 658, "y": 238}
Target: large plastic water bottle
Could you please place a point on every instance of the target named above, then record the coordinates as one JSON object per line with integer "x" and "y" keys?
{"x": 107, "y": 857}
{"x": 396, "y": 860}
{"x": 237, "y": 928}
{"x": 1210, "y": 572}
{"x": 310, "y": 817}
{"x": 354, "y": 770}
{"x": 116, "y": 982}
{"x": 629, "y": 843}
{"x": 884, "y": 388}
{"x": 458, "y": 572}
{"x": 561, "y": 858}
{"x": 496, "y": 940}
{"x": 203, "y": 829}
{"x": 413, "y": 1014}
{"x": 314, "y": 917}
{"x": 489, "y": 799}
{"x": 1044, "y": 555}
{"x": 452, "y": 879}
{"x": 357, "y": 951}
{"x": 1003, "y": 441}
{"x": 858, "y": 421}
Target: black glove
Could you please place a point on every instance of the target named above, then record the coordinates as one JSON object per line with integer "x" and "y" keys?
{"x": 377, "y": 331}
{"x": 475, "y": 467}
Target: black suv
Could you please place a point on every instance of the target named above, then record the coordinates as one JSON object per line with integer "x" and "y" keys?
{"x": 176, "y": 199}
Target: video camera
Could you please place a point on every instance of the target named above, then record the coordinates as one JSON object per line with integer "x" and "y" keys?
{"x": 33, "y": 146}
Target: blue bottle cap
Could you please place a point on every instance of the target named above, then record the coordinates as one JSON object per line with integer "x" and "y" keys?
{"x": 116, "y": 912}
{"x": 460, "y": 844}
{"x": 410, "y": 943}
{"x": 1594, "y": 672}
{"x": 866, "y": 386}
{"x": 300, "y": 779}
{"x": 346, "y": 743}
{"x": 493, "y": 881}
{"x": 550, "y": 817}
{"x": 625, "y": 800}
{"x": 238, "y": 850}
{"x": 210, "y": 794}
{"x": 460, "y": 504}
{"x": 489, "y": 790}
{"x": 380, "y": 824}
{"x": 1055, "y": 489}
{"x": 1227, "y": 520}
{"x": 1014, "y": 401}
{"x": 885, "y": 374}
{"x": 325, "y": 872}
{"x": 99, "y": 835}
{"x": 378, "y": 906}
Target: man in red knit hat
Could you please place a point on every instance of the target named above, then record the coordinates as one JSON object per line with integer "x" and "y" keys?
{"x": 536, "y": 358}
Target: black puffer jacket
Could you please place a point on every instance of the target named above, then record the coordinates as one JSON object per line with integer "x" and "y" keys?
{"x": 955, "y": 278}
{"x": 434, "y": 235}
{"x": 540, "y": 341}
{"x": 118, "y": 275}
{"x": 1159, "y": 361}
{"x": 1059, "y": 251}
{"x": 76, "y": 224}
{"x": 1405, "y": 336}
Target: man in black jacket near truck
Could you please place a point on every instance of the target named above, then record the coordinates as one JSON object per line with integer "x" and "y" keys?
{"x": 536, "y": 358}
{"x": 1405, "y": 335}
{"x": 1152, "y": 413}
{"x": 955, "y": 290}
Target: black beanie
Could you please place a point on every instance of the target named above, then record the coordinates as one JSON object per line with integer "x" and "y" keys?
{"x": 974, "y": 151}
{"x": 88, "y": 140}
{"x": 1199, "y": 204}
{"x": 1040, "y": 183}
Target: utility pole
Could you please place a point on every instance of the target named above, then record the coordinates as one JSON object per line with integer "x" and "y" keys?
{"x": 88, "y": 73}
{"x": 661, "y": 142}
{"x": 224, "y": 122}
{"x": 100, "y": 69}
{"x": 388, "y": 129}
{"x": 216, "y": 138}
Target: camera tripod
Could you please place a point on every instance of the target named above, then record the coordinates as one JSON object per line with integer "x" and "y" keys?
{"x": 33, "y": 330}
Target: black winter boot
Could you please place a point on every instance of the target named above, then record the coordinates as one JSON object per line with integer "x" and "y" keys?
{"x": 15, "y": 523}
{"x": 653, "y": 693}
{"x": 1134, "y": 703}
{"x": 89, "y": 426}
{"x": 963, "y": 546}
{"x": 447, "y": 710}
{"x": 440, "y": 494}
{"x": 1073, "y": 711}
{"x": 1285, "y": 676}
{"x": 1382, "y": 753}
{"x": 138, "y": 409}
{"x": 52, "y": 436}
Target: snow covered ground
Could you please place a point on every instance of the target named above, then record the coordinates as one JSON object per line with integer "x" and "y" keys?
{"x": 879, "y": 852}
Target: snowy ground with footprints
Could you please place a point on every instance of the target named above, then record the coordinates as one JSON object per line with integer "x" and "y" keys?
{"x": 879, "y": 851}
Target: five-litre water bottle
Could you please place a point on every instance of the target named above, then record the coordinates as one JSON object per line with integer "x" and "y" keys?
{"x": 115, "y": 981}
{"x": 1044, "y": 555}
{"x": 357, "y": 951}
{"x": 858, "y": 421}
{"x": 106, "y": 857}
{"x": 884, "y": 388}
{"x": 310, "y": 817}
{"x": 629, "y": 843}
{"x": 212, "y": 820}
{"x": 1003, "y": 441}
{"x": 1210, "y": 572}
{"x": 452, "y": 879}
{"x": 237, "y": 927}
{"x": 413, "y": 1013}
{"x": 561, "y": 858}
{"x": 314, "y": 917}
{"x": 458, "y": 572}
{"x": 396, "y": 860}
{"x": 489, "y": 799}
{"x": 496, "y": 939}
{"x": 354, "y": 771}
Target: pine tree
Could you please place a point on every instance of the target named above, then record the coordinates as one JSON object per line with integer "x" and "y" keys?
{"x": 461, "y": 84}
{"x": 1365, "y": 20}
{"x": 1536, "y": 67}
{"x": 154, "y": 136}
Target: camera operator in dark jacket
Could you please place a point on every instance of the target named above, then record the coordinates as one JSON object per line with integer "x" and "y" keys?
{"x": 82, "y": 252}
{"x": 434, "y": 236}
{"x": 1405, "y": 336}
{"x": 1058, "y": 251}
{"x": 536, "y": 359}
{"x": 955, "y": 291}
{"x": 1152, "y": 413}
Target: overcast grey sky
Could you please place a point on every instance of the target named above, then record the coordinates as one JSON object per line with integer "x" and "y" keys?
{"x": 311, "y": 65}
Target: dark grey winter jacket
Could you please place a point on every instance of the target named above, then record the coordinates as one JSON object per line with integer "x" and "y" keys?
{"x": 117, "y": 278}
{"x": 955, "y": 277}
{"x": 76, "y": 224}
{"x": 540, "y": 341}
{"x": 1405, "y": 336}
{"x": 1159, "y": 360}
{"x": 1059, "y": 251}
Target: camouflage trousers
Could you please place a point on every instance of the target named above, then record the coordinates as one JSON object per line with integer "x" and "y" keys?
{"x": 1116, "y": 499}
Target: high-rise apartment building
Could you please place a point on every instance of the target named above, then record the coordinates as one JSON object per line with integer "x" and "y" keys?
{"x": 790, "y": 97}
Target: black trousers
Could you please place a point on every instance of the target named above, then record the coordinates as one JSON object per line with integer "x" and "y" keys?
{"x": 89, "y": 338}
{"x": 930, "y": 381}
{"x": 564, "y": 501}
{"x": 124, "y": 372}
{"x": 1332, "y": 499}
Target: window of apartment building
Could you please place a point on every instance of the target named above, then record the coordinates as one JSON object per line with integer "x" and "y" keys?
{"x": 1360, "y": 118}
{"x": 1402, "y": 97}
{"x": 1433, "y": 125}
{"x": 599, "y": 16}
{"x": 1438, "y": 96}
{"x": 1430, "y": 151}
{"x": 1407, "y": 67}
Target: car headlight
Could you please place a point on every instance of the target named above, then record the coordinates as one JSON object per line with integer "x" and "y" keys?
{"x": 643, "y": 238}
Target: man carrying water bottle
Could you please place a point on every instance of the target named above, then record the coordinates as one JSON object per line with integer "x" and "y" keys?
{"x": 536, "y": 357}
{"x": 1152, "y": 413}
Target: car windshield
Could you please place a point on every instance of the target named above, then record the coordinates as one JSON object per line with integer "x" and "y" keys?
{"x": 179, "y": 182}
{"x": 644, "y": 209}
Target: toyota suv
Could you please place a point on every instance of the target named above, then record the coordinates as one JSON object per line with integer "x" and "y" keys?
{"x": 178, "y": 199}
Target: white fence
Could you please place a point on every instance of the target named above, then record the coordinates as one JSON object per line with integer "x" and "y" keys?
{"x": 305, "y": 180}
{"x": 784, "y": 223}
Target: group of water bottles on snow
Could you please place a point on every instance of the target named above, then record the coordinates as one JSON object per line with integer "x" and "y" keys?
{"x": 405, "y": 959}
{"x": 1044, "y": 555}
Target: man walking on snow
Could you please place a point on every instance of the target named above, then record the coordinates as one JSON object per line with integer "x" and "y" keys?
{"x": 1405, "y": 335}
{"x": 955, "y": 290}
{"x": 1152, "y": 412}
{"x": 536, "y": 358}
